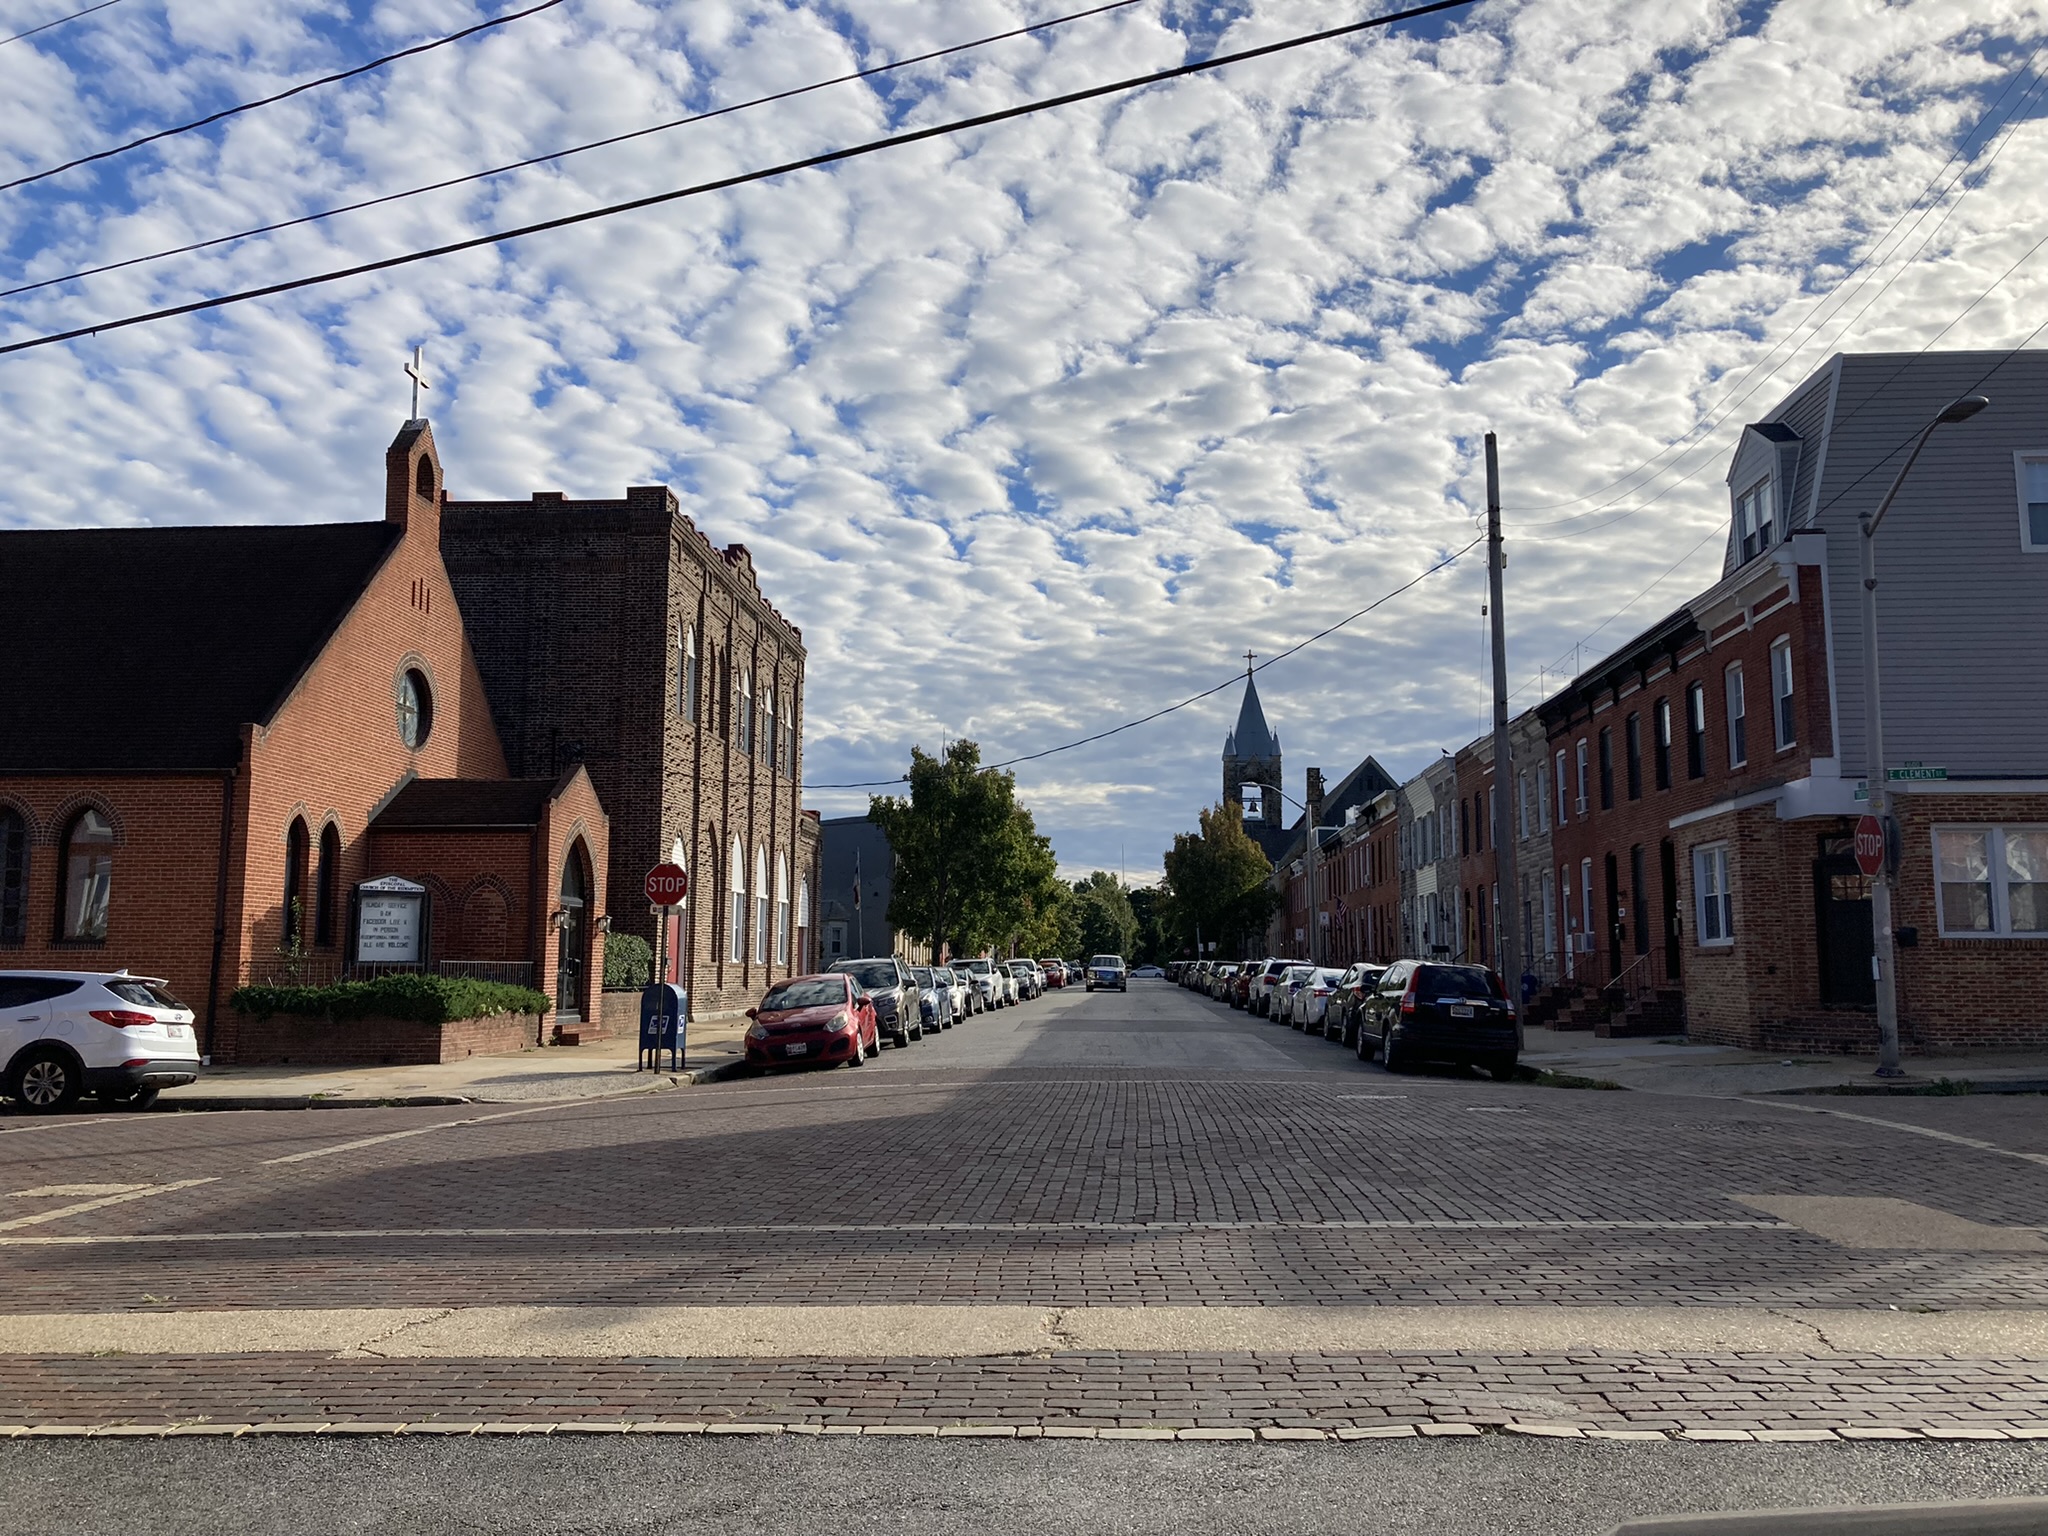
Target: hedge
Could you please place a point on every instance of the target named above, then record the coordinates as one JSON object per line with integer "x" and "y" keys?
{"x": 628, "y": 962}
{"x": 413, "y": 995}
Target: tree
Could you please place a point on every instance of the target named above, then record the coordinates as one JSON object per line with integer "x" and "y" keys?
{"x": 1107, "y": 924}
{"x": 1154, "y": 945}
{"x": 971, "y": 870}
{"x": 1217, "y": 882}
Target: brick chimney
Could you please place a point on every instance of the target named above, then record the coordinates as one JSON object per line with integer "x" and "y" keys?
{"x": 1314, "y": 798}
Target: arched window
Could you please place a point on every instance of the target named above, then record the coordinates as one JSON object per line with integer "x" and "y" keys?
{"x": 781, "y": 910}
{"x": 415, "y": 708}
{"x": 88, "y": 876}
{"x": 736, "y": 878}
{"x": 423, "y": 476}
{"x": 297, "y": 847}
{"x": 768, "y": 735}
{"x": 572, "y": 936}
{"x": 746, "y": 713}
{"x": 803, "y": 923}
{"x": 760, "y": 906}
{"x": 13, "y": 876}
{"x": 327, "y": 886}
{"x": 687, "y": 675}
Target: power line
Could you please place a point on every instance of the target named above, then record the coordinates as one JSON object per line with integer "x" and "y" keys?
{"x": 1195, "y": 698}
{"x": 723, "y": 183}
{"x": 32, "y": 31}
{"x": 576, "y": 149}
{"x": 265, "y": 101}
{"x": 1739, "y": 392}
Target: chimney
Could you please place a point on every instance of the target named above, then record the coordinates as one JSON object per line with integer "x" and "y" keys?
{"x": 413, "y": 491}
{"x": 1314, "y": 798}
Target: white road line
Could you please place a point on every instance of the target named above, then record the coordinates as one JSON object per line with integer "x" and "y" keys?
{"x": 419, "y": 1130}
{"x": 93, "y": 1205}
{"x": 1901, "y": 1125}
{"x": 65, "y": 1125}
{"x": 896, "y": 1229}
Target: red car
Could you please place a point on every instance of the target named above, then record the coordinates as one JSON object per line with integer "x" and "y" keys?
{"x": 813, "y": 1018}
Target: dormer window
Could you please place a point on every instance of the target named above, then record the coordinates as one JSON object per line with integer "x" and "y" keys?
{"x": 1752, "y": 522}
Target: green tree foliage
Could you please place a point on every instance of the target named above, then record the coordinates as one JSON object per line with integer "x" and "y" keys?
{"x": 628, "y": 962}
{"x": 1217, "y": 884}
{"x": 971, "y": 870}
{"x": 1155, "y": 943}
{"x": 1107, "y": 924}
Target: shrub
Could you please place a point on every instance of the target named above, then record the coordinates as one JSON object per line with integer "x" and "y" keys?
{"x": 628, "y": 962}
{"x": 405, "y": 995}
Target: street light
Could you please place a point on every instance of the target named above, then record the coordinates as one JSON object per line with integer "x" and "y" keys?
{"x": 1874, "y": 768}
{"x": 1315, "y": 847}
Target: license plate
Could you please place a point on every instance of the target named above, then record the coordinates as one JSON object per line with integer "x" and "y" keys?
{"x": 1461, "y": 1010}
{"x": 181, "y": 1031}
{"x": 801, "y": 1047}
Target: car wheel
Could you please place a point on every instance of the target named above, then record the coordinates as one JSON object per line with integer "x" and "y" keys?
{"x": 860, "y": 1052}
{"x": 1503, "y": 1069}
{"x": 139, "y": 1098}
{"x": 45, "y": 1083}
{"x": 1393, "y": 1054}
{"x": 1364, "y": 1044}
{"x": 900, "y": 1038}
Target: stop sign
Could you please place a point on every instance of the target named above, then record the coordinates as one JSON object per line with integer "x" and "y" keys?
{"x": 667, "y": 885}
{"x": 1869, "y": 845}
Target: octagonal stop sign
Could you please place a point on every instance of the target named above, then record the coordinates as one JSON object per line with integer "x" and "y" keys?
{"x": 667, "y": 885}
{"x": 1869, "y": 845}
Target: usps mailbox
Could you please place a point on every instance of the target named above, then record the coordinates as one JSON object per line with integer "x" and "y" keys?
{"x": 662, "y": 1025}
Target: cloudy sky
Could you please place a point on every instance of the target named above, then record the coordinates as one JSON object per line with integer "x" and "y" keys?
{"x": 1039, "y": 428}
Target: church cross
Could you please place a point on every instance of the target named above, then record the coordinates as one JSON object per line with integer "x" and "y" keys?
{"x": 1249, "y": 658}
{"x": 417, "y": 372}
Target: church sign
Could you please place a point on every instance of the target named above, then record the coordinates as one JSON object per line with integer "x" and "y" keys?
{"x": 390, "y": 922}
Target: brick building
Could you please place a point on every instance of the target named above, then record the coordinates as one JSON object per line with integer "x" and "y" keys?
{"x": 203, "y": 727}
{"x": 614, "y": 634}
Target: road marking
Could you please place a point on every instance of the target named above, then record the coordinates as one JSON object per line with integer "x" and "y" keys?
{"x": 1493, "y": 1109}
{"x": 94, "y": 1205}
{"x": 895, "y": 1229}
{"x": 1901, "y": 1125}
{"x": 420, "y": 1130}
{"x": 45, "y": 1191}
{"x": 1372, "y": 1095}
{"x": 65, "y": 1125}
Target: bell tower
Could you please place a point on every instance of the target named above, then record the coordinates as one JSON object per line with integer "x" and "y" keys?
{"x": 1251, "y": 762}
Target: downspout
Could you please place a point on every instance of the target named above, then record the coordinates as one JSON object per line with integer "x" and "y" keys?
{"x": 220, "y": 908}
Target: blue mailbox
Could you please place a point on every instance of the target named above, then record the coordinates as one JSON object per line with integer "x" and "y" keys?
{"x": 662, "y": 1023}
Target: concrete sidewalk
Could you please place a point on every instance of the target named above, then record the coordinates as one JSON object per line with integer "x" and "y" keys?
{"x": 607, "y": 1066}
{"x": 1675, "y": 1065}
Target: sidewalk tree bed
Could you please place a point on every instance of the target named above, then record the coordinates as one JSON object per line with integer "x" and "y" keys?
{"x": 411, "y": 996}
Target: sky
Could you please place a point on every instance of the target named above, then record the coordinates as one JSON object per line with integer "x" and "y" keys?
{"x": 1039, "y": 428}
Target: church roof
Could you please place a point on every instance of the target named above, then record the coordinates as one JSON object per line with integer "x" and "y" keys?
{"x": 145, "y": 650}
{"x": 440, "y": 804}
{"x": 1252, "y": 738}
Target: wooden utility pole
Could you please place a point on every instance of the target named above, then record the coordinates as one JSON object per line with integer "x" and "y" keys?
{"x": 1507, "y": 888}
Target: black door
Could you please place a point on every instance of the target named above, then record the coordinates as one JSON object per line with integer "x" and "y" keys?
{"x": 572, "y": 943}
{"x": 1841, "y": 908}
{"x": 1667, "y": 862}
{"x": 1614, "y": 918}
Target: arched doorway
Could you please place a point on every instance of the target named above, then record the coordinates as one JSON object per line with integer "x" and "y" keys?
{"x": 572, "y": 937}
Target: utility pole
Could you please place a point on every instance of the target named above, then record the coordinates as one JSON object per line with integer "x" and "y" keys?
{"x": 1507, "y": 921}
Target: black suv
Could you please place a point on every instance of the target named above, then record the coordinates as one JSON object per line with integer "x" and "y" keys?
{"x": 1428, "y": 1010}
{"x": 895, "y": 991}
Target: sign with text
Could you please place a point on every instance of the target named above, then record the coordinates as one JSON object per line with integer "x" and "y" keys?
{"x": 1869, "y": 844}
{"x": 667, "y": 885}
{"x": 1914, "y": 773}
{"x": 389, "y": 926}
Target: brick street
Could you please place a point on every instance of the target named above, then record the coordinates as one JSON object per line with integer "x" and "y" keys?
{"x": 1082, "y": 1152}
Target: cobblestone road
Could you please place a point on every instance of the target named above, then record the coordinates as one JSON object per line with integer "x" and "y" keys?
{"x": 1128, "y": 1150}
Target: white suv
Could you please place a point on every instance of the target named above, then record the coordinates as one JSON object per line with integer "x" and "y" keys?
{"x": 1108, "y": 971}
{"x": 62, "y": 1033}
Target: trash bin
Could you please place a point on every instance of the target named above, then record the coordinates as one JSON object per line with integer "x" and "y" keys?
{"x": 662, "y": 1026}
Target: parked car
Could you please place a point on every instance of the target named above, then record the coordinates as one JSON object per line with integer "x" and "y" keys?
{"x": 1425, "y": 1010}
{"x": 1029, "y": 983}
{"x": 1340, "y": 1020}
{"x": 935, "y": 998}
{"x": 122, "y": 1038}
{"x": 809, "y": 1019}
{"x": 1260, "y": 999}
{"x": 1055, "y": 972}
{"x": 1220, "y": 978}
{"x": 1241, "y": 986}
{"x": 1148, "y": 973}
{"x": 1108, "y": 971}
{"x": 1280, "y": 1002}
{"x": 981, "y": 975}
{"x": 894, "y": 990}
{"x": 963, "y": 994}
{"x": 1311, "y": 998}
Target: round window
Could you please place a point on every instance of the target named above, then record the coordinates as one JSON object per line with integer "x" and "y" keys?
{"x": 415, "y": 708}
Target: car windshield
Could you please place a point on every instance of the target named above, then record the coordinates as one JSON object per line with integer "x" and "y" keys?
{"x": 979, "y": 967}
{"x": 923, "y": 973}
{"x": 810, "y": 992}
{"x": 873, "y": 973}
{"x": 1453, "y": 981}
{"x": 1107, "y": 960}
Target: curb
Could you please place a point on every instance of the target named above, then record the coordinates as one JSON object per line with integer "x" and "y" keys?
{"x": 206, "y": 1104}
{"x": 1265, "y": 1434}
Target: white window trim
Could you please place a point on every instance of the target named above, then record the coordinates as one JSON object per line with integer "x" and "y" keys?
{"x": 2020, "y": 460}
{"x": 2001, "y": 913}
{"x": 1732, "y": 683}
{"x": 1580, "y": 784}
{"x": 737, "y": 879}
{"x": 1701, "y": 853}
{"x": 1560, "y": 789}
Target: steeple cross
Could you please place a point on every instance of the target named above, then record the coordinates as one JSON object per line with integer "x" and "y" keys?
{"x": 417, "y": 372}
{"x": 1249, "y": 658}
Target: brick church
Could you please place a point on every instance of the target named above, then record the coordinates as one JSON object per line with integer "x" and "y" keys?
{"x": 217, "y": 737}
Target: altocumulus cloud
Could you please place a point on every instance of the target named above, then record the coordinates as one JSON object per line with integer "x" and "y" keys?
{"x": 1040, "y": 427}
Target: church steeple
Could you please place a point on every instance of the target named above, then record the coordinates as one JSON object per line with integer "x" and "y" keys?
{"x": 1251, "y": 756}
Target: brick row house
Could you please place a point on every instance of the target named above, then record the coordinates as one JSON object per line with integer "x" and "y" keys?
{"x": 1683, "y": 810}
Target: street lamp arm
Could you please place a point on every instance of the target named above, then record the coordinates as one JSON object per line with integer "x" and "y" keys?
{"x": 1954, "y": 411}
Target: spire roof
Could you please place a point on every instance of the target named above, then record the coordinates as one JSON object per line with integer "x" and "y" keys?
{"x": 1252, "y": 738}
